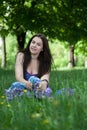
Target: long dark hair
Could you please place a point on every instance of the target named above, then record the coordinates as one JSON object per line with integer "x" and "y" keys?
{"x": 45, "y": 57}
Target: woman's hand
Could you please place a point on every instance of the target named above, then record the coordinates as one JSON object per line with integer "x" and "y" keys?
{"x": 28, "y": 85}
{"x": 42, "y": 86}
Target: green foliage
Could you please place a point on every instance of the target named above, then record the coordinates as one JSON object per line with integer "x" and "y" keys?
{"x": 65, "y": 20}
{"x": 80, "y": 59}
{"x": 11, "y": 44}
{"x": 58, "y": 113}
{"x": 59, "y": 54}
{"x": 58, "y": 19}
{"x": 81, "y": 47}
{"x": 11, "y": 50}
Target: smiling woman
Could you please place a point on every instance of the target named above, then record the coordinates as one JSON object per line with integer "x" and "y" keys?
{"x": 36, "y": 46}
{"x": 33, "y": 62}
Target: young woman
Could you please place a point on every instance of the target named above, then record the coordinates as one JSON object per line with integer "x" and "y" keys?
{"x": 34, "y": 61}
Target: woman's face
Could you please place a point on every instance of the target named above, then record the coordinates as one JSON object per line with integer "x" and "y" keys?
{"x": 36, "y": 46}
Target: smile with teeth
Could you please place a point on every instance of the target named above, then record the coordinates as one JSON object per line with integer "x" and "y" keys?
{"x": 33, "y": 49}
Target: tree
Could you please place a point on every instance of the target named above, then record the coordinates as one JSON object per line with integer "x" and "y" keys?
{"x": 72, "y": 23}
{"x": 3, "y": 32}
{"x": 3, "y": 53}
{"x": 61, "y": 19}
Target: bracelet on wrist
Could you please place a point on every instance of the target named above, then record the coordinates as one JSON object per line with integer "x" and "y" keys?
{"x": 45, "y": 80}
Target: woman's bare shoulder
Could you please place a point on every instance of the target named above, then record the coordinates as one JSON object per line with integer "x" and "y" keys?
{"x": 20, "y": 57}
{"x": 20, "y": 54}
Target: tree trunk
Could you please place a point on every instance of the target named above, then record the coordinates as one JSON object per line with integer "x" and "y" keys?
{"x": 3, "y": 64}
{"x": 21, "y": 40}
{"x": 71, "y": 60}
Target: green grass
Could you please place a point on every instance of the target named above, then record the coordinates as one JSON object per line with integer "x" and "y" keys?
{"x": 58, "y": 113}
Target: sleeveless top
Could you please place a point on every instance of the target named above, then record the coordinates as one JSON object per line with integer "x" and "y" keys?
{"x": 27, "y": 75}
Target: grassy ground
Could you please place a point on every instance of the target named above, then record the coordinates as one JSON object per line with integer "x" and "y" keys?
{"x": 62, "y": 112}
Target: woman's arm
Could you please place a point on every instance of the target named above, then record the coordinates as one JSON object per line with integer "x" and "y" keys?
{"x": 44, "y": 82}
{"x": 19, "y": 67}
{"x": 19, "y": 70}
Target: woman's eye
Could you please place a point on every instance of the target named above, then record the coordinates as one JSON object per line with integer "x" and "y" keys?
{"x": 33, "y": 42}
{"x": 38, "y": 44}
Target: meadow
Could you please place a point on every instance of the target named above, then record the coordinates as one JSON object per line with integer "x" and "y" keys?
{"x": 61, "y": 112}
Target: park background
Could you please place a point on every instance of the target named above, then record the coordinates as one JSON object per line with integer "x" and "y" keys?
{"x": 64, "y": 23}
